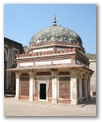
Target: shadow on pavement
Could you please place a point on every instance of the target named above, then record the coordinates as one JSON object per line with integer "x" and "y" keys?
{"x": 88, "y": 102}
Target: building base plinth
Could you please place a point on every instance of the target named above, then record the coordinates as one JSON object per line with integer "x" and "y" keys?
{"x": 35, "y": 98}
{"x": 30, "y": 98}
{"x": 54, "y": 101}
{"x": 74, "y": 102}
{"x": 16, "y": 98}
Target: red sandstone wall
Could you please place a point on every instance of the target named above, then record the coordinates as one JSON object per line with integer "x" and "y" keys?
{"x": 64, "y": 90}
{"x": 24, "y": 86}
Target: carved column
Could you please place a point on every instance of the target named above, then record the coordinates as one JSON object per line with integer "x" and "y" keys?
{"x": 31, "y": 86}
{"x": 80, "y": 84}
{"x": 54, "y": 87}
{"x": 17, "y": 85}
{"x": 73, "y": 87}
{"x": 80, "y": 88}
{"x": 88, "y": 87}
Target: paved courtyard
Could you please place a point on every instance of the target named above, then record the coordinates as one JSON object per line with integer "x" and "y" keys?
{"x": 14, "y": 107}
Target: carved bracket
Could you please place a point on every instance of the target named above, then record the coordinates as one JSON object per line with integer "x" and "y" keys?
{"x": 54, "y": 73}
{"x": 18, "y": 73}
{"x": 73, "y": 72}
{"x": 32, "y": 74}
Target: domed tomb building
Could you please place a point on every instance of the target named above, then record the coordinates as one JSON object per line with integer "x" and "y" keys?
{"x": 55, "y": 68}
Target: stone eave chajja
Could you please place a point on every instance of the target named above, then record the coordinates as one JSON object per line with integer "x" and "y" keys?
{"x": 37, "y": 68}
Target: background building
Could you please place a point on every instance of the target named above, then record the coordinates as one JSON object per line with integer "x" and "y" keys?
{"x": 92, "y": 60}
{"x": 11, "y": 48}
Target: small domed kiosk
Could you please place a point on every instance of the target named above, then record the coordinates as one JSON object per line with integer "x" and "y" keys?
{"x": 55, "y": 69}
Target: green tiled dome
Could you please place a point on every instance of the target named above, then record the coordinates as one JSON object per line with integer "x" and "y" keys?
{"x": 56, "y": 33}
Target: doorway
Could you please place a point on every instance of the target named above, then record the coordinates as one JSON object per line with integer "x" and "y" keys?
{"x": 43, "y": 91}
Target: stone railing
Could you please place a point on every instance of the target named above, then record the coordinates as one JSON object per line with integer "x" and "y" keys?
{"x": 54, "y": 42}
{"x": 47, "y": 53}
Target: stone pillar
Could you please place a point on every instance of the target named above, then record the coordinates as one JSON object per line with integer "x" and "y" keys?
{"x": 86, "y": 88}
{"x": 80, "y": 88}
{"x": 54, "y": 87}
{"x": 73, "y": 88}
{"x": 31, "y": 86}
{"x": 89, "y": 85}
{"x": 17, "y": 86}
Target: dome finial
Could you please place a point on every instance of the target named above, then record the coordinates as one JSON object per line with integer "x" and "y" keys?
{"x": 54, "y": 21}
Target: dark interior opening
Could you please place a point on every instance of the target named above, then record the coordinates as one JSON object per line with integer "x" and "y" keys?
{"x": 42, "y": 91}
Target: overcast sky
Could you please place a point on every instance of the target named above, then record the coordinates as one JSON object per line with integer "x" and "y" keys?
{"x": 22, "y": 21}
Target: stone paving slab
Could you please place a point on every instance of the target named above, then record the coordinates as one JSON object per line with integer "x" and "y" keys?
{"x": 14, "y": 107}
